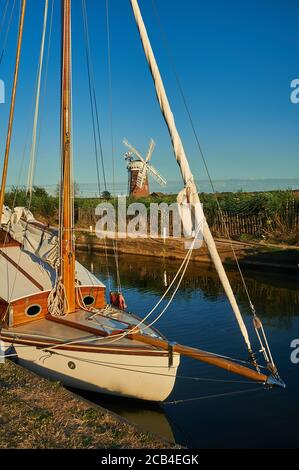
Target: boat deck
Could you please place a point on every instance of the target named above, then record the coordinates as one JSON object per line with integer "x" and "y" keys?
{"x": 106, "y": 322}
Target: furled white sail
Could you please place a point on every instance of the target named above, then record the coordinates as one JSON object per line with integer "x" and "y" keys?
{"x": 37, "y": 255}
{"x": 181, "y": 158}
{"x": 35, "y": 238}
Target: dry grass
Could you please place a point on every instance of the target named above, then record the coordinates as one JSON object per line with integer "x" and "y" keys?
{"x": 36, "y": 413}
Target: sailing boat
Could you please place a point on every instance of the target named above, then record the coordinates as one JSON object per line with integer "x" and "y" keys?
{"x": 53, "y": 312}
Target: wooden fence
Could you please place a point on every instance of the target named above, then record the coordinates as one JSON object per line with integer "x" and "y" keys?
{"x": 256, "y": 225}
{"x": 237, "y": 224}
{"x": 284, "y": 220}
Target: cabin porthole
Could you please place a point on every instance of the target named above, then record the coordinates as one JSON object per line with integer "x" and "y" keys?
{"x": 72, "y": 365}
{"x": 33, "y": 310}
{"x": 88, "y": 300}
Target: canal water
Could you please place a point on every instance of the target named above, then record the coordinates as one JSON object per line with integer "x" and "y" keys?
{"x": 208, "y": 407}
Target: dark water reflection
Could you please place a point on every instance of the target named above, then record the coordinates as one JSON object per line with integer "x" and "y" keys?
{"x": 214, "y": 414}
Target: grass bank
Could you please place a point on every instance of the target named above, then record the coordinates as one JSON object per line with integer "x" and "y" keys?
{"x": 39, "y": 414}
{"x": 271, "y": 216}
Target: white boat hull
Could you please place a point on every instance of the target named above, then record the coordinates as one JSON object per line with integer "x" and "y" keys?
{"x": 134, "y": 376}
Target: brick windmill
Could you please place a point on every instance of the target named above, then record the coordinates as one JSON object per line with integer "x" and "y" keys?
{"x": 139, "y": 169}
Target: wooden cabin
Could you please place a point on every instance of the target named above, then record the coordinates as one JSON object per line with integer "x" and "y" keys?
{"x": 27, "y": 280}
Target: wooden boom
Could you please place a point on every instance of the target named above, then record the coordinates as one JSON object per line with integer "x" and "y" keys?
{"x": 197, "y": 354}
{"x": 202, "y": 356}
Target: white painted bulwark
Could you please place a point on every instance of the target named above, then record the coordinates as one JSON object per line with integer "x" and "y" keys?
{"x": 131, "y": 376}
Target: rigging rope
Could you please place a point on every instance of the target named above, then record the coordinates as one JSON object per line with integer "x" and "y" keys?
{"x": 57, "y": 300}
{"x": 114, "y": 241}
{"x": 16, "y": 189}
{"x": 4, "y": 15}
{"x": 58, "y": 303}
{"x": 22, "y": 164}
{"x": 183, "y": 163}
{"x": 92, "y": 104}
{"x": 113, "y": 365}
{"x": 92, "y": 338}
{"x": 94, "y": 95}
{"x": 35, "y": 123}
{"x": 119, "y": 366}
{"x": 218, "y": 395}
{"x": 7, "y": 31}
{"x": 188, "y": 259}
{"x": 95, "y": 117}
{"x": 46, "y": 76}
{"x": 183, "y": 267}
{"x": 257, "y": 322}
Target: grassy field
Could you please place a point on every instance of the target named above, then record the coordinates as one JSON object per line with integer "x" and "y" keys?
{"x": 39, "y": 414}
{"x": 278, "y": 210}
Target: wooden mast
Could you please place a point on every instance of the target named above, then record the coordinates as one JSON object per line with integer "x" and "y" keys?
{"x": 12, "y": 108}
{"x": 67, "y": 244}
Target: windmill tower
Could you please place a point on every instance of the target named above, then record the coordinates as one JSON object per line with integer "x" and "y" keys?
{"x": 139, "y": 169}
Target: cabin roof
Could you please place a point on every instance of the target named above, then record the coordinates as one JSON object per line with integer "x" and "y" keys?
{"x": 23, "y": 274}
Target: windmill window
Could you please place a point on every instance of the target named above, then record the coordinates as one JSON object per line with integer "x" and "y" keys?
{"x": 33, "y": 310}
{"x": 88, "y": 300}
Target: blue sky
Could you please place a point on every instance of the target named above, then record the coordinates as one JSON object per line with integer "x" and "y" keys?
{"x": 235, "y": 60}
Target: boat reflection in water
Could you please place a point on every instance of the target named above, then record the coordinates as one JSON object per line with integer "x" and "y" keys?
{"x": 147, "y": 416}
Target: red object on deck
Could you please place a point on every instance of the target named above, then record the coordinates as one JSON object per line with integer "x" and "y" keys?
{"x": 117, "y": 299}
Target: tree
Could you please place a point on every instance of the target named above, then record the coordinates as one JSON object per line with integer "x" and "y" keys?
{"x": 38, "y": 191}
{"x": 106, "y": 195}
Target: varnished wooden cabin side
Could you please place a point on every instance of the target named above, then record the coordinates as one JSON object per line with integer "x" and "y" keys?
{"x": 34, "y": 307}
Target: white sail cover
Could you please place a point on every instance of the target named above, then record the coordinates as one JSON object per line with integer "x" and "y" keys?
{"x": 35, "y": 237}
{"x": 184, "y": 165}
{"x": 36, "y": 255}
